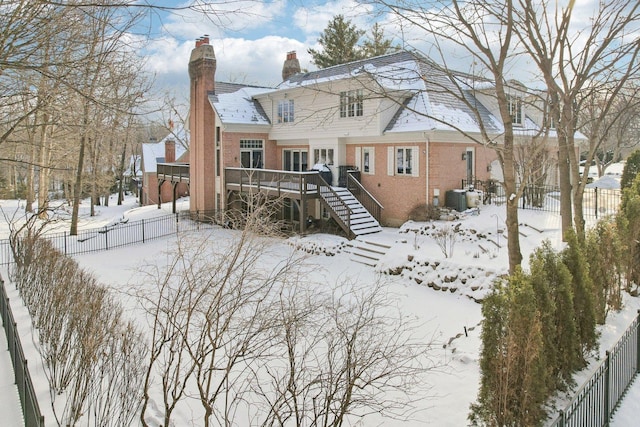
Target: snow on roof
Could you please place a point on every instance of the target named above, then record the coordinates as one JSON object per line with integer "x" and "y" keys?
{"x": 154, "y": 152}
{"x": 368, "y": 66}
{"x": 239, "y": 107}
{"x": 442, "y": 104}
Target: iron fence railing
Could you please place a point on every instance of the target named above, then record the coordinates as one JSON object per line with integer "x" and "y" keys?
{"x": 30, "y": 408}
{"x": 120, "y": 234}
{"x": 594, "y": 403}
{"x": 596, "y": 202}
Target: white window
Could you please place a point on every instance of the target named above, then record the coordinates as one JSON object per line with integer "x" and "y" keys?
{"x": 402, "y": 161}
{"x": 515, "y": 109}
{"x": 295, "y": 160}
{"x": 251, "y": 153}
{"x": 285, "y": 111}
{"x": 368, "y": 160}
{"x": 323, "y": 155}
{"x": 351, "y": 104}
{"x": 549, "y": 119}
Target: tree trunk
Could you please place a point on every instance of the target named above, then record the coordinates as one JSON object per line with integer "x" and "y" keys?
{"x": 512, "y": 223}
{"x": 564, "y": 171}
{"x": 43, "y": 175}
{"x": 77, "y": 186}
{"x": 31, "y": 175}
{"x": 123, "y": 156}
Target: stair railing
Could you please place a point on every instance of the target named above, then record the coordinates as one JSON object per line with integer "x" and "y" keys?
{"x": 364, "y": 197}
{"x": 338, "y": 209}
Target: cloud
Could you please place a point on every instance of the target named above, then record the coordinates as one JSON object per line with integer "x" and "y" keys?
{"x": 217, "y": 19}
{"x": 255, "y": 62}
{"x": 312, "y": 20}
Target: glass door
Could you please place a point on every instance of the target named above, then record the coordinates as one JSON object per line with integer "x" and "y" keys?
{"x": 295, "y": 160}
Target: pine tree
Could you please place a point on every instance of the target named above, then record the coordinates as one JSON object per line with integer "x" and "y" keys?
{"x": 513, "y": 389}
{"x": 339, "y": 43}
{"x": 604, "y": 255}
{"x": 628, "y": 220}
{"x": 551, "y": 281}
{"x": 376, "y": 44}
{"x": 583, "y": 294}
{"x": 631, "y": 170}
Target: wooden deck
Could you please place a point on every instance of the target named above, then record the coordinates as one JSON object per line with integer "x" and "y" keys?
{"x": 276, "y": 183}
{"x": 173, "y": 172}
{"x": 300, "y": 187}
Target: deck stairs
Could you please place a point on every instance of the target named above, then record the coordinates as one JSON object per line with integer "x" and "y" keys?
{"x": 348, "y": 211}
{"x": 361, "y": 221}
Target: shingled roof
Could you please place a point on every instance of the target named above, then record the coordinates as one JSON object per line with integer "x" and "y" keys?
{"x": 433, "y": 96}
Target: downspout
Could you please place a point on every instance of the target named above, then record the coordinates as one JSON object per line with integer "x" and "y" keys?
{"x": 426, "y": 152}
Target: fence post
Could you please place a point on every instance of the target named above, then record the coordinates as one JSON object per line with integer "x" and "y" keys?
{"x": 595, "y": 191}
{"x": 142, "y": 223}
{"x": 177, "y": 225}
{"x": 65, "y": 242}
{"x": 106, "y": 239}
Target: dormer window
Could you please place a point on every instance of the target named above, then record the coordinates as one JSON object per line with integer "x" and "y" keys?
{"x": 351, "y": 103}
{"x": 285, "y": 111}
{"x": 515, "y": 109}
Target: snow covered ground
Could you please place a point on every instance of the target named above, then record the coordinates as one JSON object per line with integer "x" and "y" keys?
{"x": 441, "y": 291}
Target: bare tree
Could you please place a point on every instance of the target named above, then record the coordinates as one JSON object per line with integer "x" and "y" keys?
{"x": 211, "y": 318}
{"x": 611, "y": 134}
{"x": 485, "y": 32}
{"x": 577, "y": 59}
{"x": 343, "y": 353}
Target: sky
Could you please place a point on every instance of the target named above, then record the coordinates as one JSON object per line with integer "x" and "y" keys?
{"x": 251, "y": 38}
{"x": 444, "y": 313}
{"x": 250, "y": 45}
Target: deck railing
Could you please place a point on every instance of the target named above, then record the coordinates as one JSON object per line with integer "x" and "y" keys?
{"x": 278, "y": 181}
{"x": 338, "y": 209}
{"x": 364, "y": 197}
{"x": 308, "y": 184}
{"x": 174, "y": 172}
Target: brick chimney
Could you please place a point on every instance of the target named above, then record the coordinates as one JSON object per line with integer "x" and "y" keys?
{"x": 170, "y": 151}
{"x": 202, "y": 150}
{"x": 291, "y": 65}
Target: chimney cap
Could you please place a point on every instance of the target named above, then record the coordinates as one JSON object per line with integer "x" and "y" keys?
{"x": 202, "y": 40}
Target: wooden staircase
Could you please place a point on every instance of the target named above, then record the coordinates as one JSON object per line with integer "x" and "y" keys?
{"x": 361, "y": 222}
{"x": 345, "y": 209}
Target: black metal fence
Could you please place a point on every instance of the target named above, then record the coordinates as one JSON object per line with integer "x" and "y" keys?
{"x": 595, "y": 401}
{"x": 596, "y": 203}
{"x": 30, "y": 409}
{"x": 120, "y": 234}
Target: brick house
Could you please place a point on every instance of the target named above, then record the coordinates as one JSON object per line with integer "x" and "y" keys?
{"x": 388, "y": 139}
{"x": 155, "y": 189}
